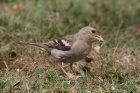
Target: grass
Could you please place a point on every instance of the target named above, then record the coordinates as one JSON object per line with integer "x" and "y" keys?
{"x": 27, "y": 70}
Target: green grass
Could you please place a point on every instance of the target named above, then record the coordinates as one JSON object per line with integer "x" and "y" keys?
{"x": 115, "y": 70}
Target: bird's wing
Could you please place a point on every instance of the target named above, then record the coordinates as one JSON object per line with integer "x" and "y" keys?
{"x": 63, "y": 43}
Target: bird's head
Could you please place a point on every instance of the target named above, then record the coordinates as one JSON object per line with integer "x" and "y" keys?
{"x": 90, "y": 34}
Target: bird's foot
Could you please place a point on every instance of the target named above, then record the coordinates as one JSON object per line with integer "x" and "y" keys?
{"x": 69, "y": 75}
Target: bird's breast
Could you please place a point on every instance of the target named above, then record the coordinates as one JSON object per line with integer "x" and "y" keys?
{"x": 78, "y": 52}
{"x": 82, "y": 50}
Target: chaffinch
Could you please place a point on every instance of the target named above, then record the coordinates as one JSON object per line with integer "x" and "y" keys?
{"x": 70, "y": 48}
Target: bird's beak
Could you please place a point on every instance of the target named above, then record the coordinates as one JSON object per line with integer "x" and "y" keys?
{"x": 98, "y": 37}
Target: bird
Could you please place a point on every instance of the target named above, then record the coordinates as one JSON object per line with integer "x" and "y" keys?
{"x": 71, "y": 48}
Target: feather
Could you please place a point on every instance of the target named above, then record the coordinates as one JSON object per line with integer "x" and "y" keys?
{"x": 59, "y": 44}
{"x": 38, "y": 45}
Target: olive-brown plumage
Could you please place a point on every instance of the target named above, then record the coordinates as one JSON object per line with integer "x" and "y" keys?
{"x": 70, "y": 48}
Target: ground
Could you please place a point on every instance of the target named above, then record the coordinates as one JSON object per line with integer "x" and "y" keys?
{"x": 113, "y": 66}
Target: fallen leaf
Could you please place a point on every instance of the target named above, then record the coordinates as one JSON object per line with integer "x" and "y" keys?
{"x": 97, "y": 49}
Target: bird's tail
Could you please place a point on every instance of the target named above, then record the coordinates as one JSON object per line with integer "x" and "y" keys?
{"x": 41, "y": 46}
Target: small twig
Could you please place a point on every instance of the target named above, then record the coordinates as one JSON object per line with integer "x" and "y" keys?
{"x": 27, "y": 88}
{"x": 17, "y": 83}
{"x": 7, "y": 68}
{"x": 115, "y": 50}
{"x": 31, "y": 56}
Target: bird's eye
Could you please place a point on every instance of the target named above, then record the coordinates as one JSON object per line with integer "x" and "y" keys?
{"x": 93, "y": 31}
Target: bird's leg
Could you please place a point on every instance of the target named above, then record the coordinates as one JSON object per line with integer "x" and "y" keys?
{"x": 64, "y": 66}
{"x": 61, "y": 66}
{"x": 71, "y": 67}
{"x": 69, "y": 75}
